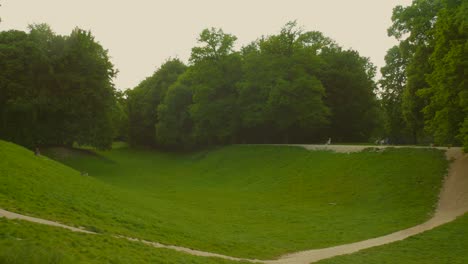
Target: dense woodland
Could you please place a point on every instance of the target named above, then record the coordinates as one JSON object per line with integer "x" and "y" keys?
{"x": 293, "y": 87}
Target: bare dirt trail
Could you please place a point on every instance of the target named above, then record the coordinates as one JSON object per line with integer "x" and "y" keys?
{"x": 11, "y": 215}
{"x": 453, "y": 202}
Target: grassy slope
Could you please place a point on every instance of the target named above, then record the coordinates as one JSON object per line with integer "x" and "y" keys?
{"x": 248, "y": 201}
{"x": 22, "y": 242}
{"x": 447, "y": 244}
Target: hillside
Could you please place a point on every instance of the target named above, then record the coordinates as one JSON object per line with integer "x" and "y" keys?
{"x": 445, "y": 244}
{"x": 247, "y": 201}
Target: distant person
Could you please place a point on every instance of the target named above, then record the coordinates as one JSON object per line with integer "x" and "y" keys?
{"x": 37, "y": 152}
{"x": 328, "y": 141}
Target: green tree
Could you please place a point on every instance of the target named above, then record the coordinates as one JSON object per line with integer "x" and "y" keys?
{"x": 280, "y": 96}
{"x": 85, "y": 74}
{"x": 414, "y": 27}
{"x": 392, "y": 85}
{"x": 215, "y": 70}
{"x": 56, "y": 90}
{"x": 350, "y": 94}
{"x": 120, "y": 117}
{"x": 16, "y": 107}
{"x": 143, "y": 102}
{"x": 174, "y": 127}
{"x": 447, "y": 111}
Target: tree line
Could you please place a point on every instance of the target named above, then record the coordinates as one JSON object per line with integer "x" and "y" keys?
{"x": 293, "y": 87}
{"x": 424, "y": 82}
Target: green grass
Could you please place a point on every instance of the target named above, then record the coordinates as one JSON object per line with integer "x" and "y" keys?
{"x": 447, "y": 244}
{"x": 246, "y": 201}
{"x": 22, "y": 242}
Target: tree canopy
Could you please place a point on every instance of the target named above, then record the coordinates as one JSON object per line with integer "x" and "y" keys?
{"x": 424, "y": 81}
{"x": 295, "y": 86}
{"x": 55, "y": 90}
{"x": 292, "y": 87}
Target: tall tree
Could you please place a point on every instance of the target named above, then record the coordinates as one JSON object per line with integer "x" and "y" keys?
{"x": 280, "y": 95}
{"x": 143, "y": 102}
{"x": 16, "y": 95}
{"x": 392, "y": 85}
{"x": 175, "y": 126}
{"x": 350, "y": 94}
{"x": 216, "y": 69}
{"x": 59, "y": 89}
{"x": 414, "y": 27}
{"x": 447, "y": 110}
{"x": 85, "y": 76}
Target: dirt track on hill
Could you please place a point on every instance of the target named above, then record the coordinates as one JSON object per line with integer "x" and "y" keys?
{"x": 453, "y": 202}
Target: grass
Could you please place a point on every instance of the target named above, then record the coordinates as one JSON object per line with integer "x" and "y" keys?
{"x": 447, "y": 244}
{"x": 245, "y": 201}
{"x": 22, "y": 242}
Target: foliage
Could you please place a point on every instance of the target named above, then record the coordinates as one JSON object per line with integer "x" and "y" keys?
{"x": 215, "y": 71}
{"x": 175, "y": 125}
{"x": 432, "y": 63}
{"x": 413, "y": 25}
{"x": 349, "y": 85}
{"x": 278, "y": 89}
{"x": 55, "y": 90}
{"x": 392, "y": 85}
{"x": 448, "y": 108}
{"x": 280, "y": 97}
{"x": 143, "y": 102}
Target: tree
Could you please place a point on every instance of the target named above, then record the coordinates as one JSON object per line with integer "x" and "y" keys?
{"x": 392, "y": 85}
{"x": 215, "y": 70}
{"x": 143, "y": 102}
{"x": 85, "y": 74}
{"x": 120, "y": 117}
{"x": 16, "y": 107}
{"x": 433, "y": 36}
{"x": 447, "y": 111}
{"x": 174, "y": 127}
{"x": 414, "y": 27}
{"x": 280, "y": 96}
{"x": 58, "y": 89}
{"x": 350, "y": 94}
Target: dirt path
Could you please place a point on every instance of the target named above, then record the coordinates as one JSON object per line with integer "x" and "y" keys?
{"x": 11, "y": 215}
{"x": 453, "y": 202}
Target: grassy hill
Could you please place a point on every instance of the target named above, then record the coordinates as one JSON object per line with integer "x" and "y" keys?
{"x": 246, "y": 201}
{"x": 28, "y": 243}
{"x": 446, "y": 244}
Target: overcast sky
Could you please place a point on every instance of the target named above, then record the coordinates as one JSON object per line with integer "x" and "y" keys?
{"x": 141, "y": 34}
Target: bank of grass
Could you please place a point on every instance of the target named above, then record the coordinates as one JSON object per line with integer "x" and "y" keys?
{"x": 447, "y": 244}
{"x": 22, "y": 242}
{"x": 245, "y": 201}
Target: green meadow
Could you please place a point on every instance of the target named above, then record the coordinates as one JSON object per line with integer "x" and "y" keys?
{"x": 446, "y": 244}
{"x": 244, "y": 201}
{"x": 22, "y": 242}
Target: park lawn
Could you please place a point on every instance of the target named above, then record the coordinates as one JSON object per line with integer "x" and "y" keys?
{"x": 244, "y": 201}
{"x": 447, "y": 244}
{"x": 23, "y": 242}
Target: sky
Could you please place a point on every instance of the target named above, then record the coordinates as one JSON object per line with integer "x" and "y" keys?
{"x": 142, "y": 34}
